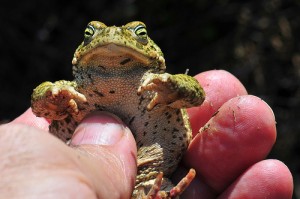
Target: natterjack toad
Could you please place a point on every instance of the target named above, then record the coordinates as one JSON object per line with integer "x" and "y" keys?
{"x": 122, "y": 71}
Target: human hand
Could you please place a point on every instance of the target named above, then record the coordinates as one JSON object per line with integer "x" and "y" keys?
{"x": 238, "y": 131}
{"x": 228, "y": 155}
{"x": 35, "y": 164}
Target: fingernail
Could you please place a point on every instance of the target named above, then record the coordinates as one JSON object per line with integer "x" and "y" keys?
{"x": 99, "y": 128}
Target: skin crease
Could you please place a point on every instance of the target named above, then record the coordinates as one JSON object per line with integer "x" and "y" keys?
{"x": 227, "y": 155}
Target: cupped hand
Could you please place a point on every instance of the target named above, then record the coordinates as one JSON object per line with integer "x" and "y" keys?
{"x": 237, "y": 131}
{"x": 233, "y": 134}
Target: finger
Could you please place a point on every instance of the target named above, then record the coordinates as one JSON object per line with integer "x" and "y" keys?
{"x": 30, "y": 119}
{"x": 103, "y": 162}
{"x": 37, "y": 165}
{"x": 266, "y": 179}
{"x": 105, "y": 138}
{"x": 219, "y": 86}
{"x": 239, "y": 135}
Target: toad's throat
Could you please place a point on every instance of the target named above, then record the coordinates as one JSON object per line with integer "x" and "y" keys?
{"x": 112, "y": 55}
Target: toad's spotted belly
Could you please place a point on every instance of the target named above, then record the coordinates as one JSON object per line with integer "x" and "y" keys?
{"x": 164, "y": 127}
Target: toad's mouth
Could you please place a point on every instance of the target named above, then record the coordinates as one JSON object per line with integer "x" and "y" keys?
{"x": 112, "y": 55}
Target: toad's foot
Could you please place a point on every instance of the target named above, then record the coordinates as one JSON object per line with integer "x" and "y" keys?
{"x": 57, "y": 100}
{"x": 176, "y": 191}
{"x": 177, "y": 91}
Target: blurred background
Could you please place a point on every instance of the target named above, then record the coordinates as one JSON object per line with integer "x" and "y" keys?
{"x": 257, "y": 41}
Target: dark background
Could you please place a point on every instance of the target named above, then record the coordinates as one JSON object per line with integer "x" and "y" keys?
{"x": 257, "y": 41}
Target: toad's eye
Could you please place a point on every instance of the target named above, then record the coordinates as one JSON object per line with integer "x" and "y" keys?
{"x": 89, "y": 32}
{"x": 141, "y": 32}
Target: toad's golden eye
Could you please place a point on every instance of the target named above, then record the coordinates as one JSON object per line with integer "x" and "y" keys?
{"x": 89, "y": 31}
{"x": 88, "y": 34}
{"x": 141, "y": 32}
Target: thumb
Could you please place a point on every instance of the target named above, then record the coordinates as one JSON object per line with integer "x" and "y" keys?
{"x": 111, "y": 148}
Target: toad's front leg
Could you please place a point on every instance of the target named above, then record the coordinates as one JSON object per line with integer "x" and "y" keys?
{"x": 57, "y": 101}
{"x": 177, "y": 91}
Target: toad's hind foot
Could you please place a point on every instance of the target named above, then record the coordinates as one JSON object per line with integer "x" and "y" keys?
{"x": 176, "y": 191}
{"x": 183, "y": 184}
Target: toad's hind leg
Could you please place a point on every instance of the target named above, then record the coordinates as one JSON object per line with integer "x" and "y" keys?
{"x": 157, "y": 191}
{"x": 63, "y": 129}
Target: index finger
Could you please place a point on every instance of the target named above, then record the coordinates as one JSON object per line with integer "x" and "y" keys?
{"x": 219, "y": 86}
{"x": 30, "y": 119}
